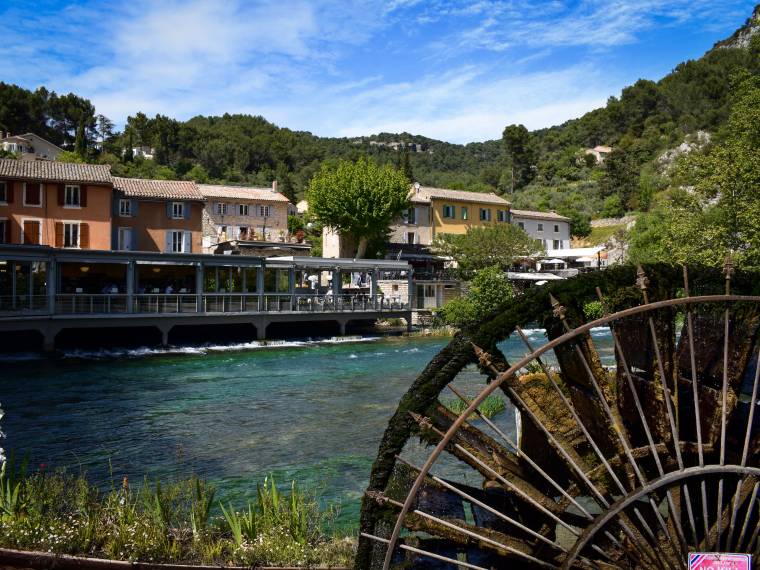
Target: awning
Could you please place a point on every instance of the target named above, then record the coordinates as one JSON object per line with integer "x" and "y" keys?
{"x": 583, "y": 259}
{"x": 551, "y": 261}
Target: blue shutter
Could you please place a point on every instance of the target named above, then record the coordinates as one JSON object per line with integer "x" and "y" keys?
{"x": 169, "y": 210}
{"x": 187, "y": 238}
{"x": 115, "y": 205}
{"x": 115, "y": 236}
{"x": 168, "y": 248}
{"x": 133, "y": 206}
{"x": 186, "y": 209}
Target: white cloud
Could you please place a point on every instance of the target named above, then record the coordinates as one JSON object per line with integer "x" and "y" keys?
{"x": 456, "y": 71}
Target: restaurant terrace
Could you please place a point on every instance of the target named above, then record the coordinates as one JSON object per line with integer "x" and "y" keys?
{"x": 48, "y": 290}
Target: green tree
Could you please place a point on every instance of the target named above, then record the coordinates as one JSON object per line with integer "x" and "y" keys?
{"x": 612, "y": 207}
{"x": 69, "y": 156}
{"x": 580, "y": 223}
{"x": 499, "y": 245}
{"x": 717, "y": 211}
{"x": 80, "y": 142}
{"x": 198, "y": 174}
{"x": 521, "y": 155}
{"x": 488, "y": 290}
{"x": 358, "y": 198}
{"x": 406, "y": 165}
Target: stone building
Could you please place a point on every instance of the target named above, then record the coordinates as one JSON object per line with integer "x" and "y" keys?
{"x": 244, "y": 213}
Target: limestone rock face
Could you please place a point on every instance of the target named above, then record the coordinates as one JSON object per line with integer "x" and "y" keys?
{"x": 742, "y": 37}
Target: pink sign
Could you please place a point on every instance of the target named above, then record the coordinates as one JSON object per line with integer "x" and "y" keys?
{"x": 719, "y": 561}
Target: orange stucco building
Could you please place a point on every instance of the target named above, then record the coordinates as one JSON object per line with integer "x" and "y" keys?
{"x": 156, "y": 215}
{"x": 55, "y": 204}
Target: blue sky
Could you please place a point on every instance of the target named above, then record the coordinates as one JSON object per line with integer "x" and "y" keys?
{"x": 457, "y": 71}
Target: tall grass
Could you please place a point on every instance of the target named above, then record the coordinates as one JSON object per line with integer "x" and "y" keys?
{"x": 153, "y": 522}
{"x": 489, "y": 407}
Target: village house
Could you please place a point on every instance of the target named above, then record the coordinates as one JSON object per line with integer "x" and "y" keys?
{"x": 599, "y": 152}
{"x": 156, "y": 215}
{"x": 244, "y": 213}
{"x": 552, "y": 229}
{"x": 442, "y": 211}
{"x": 29, "y": 146}
{"x": 55, "y": 204}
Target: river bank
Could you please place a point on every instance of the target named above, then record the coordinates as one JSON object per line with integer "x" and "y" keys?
{"x": 310, "y": 411}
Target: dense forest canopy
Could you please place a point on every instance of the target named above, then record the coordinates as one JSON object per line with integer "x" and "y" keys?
{"x": 544, "y": 169}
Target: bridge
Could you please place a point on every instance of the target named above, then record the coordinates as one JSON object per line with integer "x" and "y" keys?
{"x": 49, "y": 291}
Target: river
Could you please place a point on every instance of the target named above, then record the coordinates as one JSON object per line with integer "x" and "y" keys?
{"x": 309, "y": 411}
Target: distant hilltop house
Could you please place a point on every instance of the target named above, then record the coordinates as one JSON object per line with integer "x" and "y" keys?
{"x": 600, "y": 152}
{"x": 398, "y": 145}
{"x": 302, "y": 207}
{"x": 30, "y": 146}
{"x": 146, "y": 152}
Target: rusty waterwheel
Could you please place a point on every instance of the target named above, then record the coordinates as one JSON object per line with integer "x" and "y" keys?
{"x": 628, "y": 461}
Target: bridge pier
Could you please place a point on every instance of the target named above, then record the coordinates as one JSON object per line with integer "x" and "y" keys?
{"x": 342, "y": 326}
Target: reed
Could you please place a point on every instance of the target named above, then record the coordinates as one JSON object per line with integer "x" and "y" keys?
{"x": 165, "y": 522}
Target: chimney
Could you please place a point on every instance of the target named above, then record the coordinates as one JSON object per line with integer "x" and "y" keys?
{"x": 416, "y": 187}
{"x": 274, "y": 185}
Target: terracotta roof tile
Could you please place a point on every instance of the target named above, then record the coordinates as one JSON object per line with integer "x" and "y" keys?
{"x": 46, "y": 170}
{"x": 539, "y": 215}
{"x": 241, "y": 193}
{"x": 160, "y": 189}
{"x": 426, "y": 193}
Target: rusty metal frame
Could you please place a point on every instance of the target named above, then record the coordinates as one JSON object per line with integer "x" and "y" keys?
{"x": 665, "y": 481}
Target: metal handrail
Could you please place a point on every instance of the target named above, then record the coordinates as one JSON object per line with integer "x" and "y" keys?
{"x": 162, "y": 303}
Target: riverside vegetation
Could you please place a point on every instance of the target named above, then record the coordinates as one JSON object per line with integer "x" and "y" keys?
{"x": 62, "y": 513}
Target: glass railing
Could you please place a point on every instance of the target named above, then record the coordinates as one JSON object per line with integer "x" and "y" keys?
{"x": 147, "y": 303}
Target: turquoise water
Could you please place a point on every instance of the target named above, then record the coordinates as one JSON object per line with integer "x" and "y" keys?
{"x": 313, "y": 412}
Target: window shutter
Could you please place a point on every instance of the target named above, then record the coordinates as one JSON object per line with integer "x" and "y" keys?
{"x": 9, "y": 192}
{"x": 61, "y": 194}
{"x": 7, "y": 236}
{"x": 187, "y": 239}
{"x": 114, "y": 237}
{"x": 186, "y": 210}
{"x": 58, "y": 234}
{"x": 115, "y": 205}
{"x": 169, "y": 210}
{"x": 83, "y": 196}
{"x": 133, "y": 206}
{"x": 168, "y": 245}
{"x": 84, "y": 236}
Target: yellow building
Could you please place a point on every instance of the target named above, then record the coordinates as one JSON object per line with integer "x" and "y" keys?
{"x": 442, "y": 211}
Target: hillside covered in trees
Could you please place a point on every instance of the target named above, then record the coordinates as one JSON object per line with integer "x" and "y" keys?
{"x": 544, "y": 169}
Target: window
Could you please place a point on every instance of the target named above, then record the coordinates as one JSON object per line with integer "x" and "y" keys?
{"x": 556, "y": 228}
{"x": 242, "y": 209}
{"x": 485, "y": 214}
{"x": 557, "y": 244}
{"x": 465, "y": 213}
{"x": 3, "y": 192}
{"x": 221, "y": 209}
{"x": 410, "y": 237}
{"x": 125, "y": 239}
{"x": 178, "y": 210}
{"x": 540, "y": 227}
{"x": 32, "y": 194}
{"x": 5, "y": 231}
{"x": 521, "y": 225}
{"x": 265, "y": 211}
{"x": 31, "y": 232}
{"x": 71, "y": 234}
{"x": 177, "y": 242}
{"x": 71, "y": 196}
{"x": 411, "y": 216}
{"x": 448, "y": 212}
{"x": 125, "y": 208}
{"x": 501, "y": 215}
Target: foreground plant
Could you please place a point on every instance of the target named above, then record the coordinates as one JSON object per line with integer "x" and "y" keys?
{"x": 64, "y": 514}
